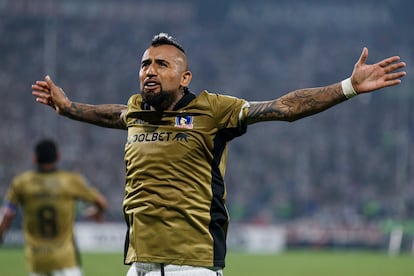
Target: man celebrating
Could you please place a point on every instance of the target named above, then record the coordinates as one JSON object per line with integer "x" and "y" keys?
{"x": 176, "y": 151}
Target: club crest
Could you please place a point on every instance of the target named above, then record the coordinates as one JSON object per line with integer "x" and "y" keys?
{"x": 184, "y": 121}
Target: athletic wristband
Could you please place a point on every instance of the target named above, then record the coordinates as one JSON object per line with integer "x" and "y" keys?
{"x": 348, "y": 89}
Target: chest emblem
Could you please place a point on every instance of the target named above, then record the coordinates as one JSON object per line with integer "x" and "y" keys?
{"x": 184, "y": 121}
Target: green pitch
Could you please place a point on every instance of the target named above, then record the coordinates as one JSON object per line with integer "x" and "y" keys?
{"x": 291, "y": 263}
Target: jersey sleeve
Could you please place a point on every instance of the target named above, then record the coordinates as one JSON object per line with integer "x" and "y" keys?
{"x": 230, "y": 113}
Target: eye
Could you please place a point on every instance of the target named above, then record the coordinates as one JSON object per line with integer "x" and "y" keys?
{"x": 162, "y": 63}
{"x": 144, "y": 64}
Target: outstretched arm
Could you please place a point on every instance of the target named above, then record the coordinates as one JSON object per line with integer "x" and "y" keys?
{"x": 105, "y": 115}
{"x": 305, "y": 102}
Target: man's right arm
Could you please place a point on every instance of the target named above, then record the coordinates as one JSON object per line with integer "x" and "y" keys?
{"x": 105, "y": 115}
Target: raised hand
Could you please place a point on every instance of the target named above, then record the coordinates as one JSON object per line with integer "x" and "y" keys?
{"x": 369, "y": 77}
{"x": 46, "y": 92}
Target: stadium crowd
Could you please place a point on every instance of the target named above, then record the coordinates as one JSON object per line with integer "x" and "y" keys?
{"x": 350, "y": 164}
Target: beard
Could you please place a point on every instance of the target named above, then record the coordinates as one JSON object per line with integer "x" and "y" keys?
{"x": 160, "y": 101}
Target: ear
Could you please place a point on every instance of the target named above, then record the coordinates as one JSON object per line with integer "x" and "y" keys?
{"x": 186, "y": 78}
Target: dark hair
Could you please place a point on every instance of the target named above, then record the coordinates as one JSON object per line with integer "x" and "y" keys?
{"x": 46, "y": 151}
{"x": 166, "y": 39}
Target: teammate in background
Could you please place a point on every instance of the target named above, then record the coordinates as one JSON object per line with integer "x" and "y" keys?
{"x": 176, "y": 150}
{"x": 48, "y": 197}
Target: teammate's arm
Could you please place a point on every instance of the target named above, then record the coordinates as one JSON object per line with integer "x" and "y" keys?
{"x": 305, "y": 102}
{"x": 7, "y": 215}
{"x": 105, "y": 115}
{"x": 96, "y": 211}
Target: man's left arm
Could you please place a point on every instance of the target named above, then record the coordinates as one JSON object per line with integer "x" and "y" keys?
{"x": 305, "y": 102}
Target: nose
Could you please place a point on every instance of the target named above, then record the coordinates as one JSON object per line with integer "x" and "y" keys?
{"x": 151, "y": 70}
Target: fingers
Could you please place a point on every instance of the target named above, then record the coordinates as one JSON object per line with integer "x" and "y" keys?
{"x": 42, "y": 92}
{"x": 364, "y": 56}
{"x": 391, "y": 82}
{"x": 393, "y": 67}
{"x": 394, "y": 76}
{"x": 46, "y": 92}
{"x": 43, "y": 101}
{"x": 41, "y": 86}
{"x": 388, "y": 61}
{"x": 42, "y": 97}
{"x": 49, "y": 81}
{"x": 44, "y": 86}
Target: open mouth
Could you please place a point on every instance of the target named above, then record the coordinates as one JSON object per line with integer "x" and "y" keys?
{"x": 151, "y": 85}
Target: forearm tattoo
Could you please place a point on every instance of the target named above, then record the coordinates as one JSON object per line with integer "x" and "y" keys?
{"x": 105, "y": 115}
{"x": 296, "y": 104}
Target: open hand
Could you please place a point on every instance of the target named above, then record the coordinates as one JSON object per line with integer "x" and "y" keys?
{"x": 46, "y": 92}
{"x": 369, "y": 77}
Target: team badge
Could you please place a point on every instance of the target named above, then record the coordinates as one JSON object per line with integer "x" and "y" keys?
{"x": 184, "y": 121}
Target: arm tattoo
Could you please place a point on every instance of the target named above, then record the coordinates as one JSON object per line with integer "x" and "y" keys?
{"x": 105, "y": 115}
{"x": 296, "y": 104}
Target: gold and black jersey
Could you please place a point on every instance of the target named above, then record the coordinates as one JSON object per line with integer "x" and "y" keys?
{"x": 48, "y": 207}
{"x": 175, "y": 191}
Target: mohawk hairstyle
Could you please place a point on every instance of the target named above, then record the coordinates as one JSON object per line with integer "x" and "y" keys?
{"x": 166, "y": 39}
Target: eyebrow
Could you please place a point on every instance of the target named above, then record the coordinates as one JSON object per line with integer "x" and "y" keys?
{"x": 157, "y": 60}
